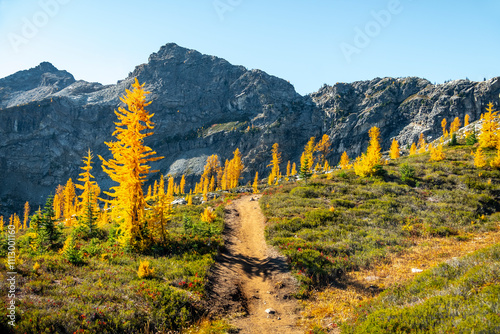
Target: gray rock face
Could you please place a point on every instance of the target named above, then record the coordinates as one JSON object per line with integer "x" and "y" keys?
{"x": 402, "y": 108}
{"x": 203, "y": 105}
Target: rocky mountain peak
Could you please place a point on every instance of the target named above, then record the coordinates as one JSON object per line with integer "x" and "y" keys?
{"x": 34, "y": 84}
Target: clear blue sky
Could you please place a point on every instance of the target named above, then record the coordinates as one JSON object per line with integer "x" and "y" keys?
{"x": 305, "y": 42}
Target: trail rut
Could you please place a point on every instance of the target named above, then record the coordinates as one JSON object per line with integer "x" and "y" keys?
{"x": 250, "y": 277}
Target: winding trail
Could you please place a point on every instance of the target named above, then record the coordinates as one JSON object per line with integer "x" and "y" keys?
{"x": 250, "y": 277}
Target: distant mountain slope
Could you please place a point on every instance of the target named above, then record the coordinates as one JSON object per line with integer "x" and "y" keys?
{"x": 203, "y": 105}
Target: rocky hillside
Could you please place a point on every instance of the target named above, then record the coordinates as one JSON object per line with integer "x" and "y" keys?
{"x": 204, "y": 105}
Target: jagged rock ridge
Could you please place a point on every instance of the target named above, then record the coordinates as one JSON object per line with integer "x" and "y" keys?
{"x": 204, "y": 105}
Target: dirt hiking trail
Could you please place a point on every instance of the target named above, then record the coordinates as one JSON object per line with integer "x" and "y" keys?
{"x": 250, "y": 277}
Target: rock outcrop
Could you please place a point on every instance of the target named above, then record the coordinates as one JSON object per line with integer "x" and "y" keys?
{"x": 203, "y": 105}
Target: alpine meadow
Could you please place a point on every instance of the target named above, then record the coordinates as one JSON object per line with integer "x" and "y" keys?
{"x": 200, "y": 197}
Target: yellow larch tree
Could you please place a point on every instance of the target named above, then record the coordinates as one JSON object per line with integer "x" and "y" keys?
{"x": 2, "y": 223}
{"x": 90, "y": 189}
{"x": 26, "y": 215}
{"x": 489, "y": 132}
{"x": 479, "y": 158}
{"x": 422, "y": 145}
{"x": 394, "y": 152}
{"x": 466, "y": 120}
{"x": 235, "y": 168}
{"x": 58, "y": 203}
{"x": 129, "y": 165}
{"x": 288, "y": 169}
{"x": 294, "y": 169}
{"x": 69, "y": 202}
{"x": 367, "y": 163}
{"x": 436, "y": 152}
{"x": 275, "y": 165}
{"x": 255, "y": 184}
{"x": 413, "y": 149}
{"x": 182, "y": 185}
{"x": 344, "y": 161}
{"x": 309, "y": 151}
{"x": 443, "y": 125}
{"x": 454, "y": 126}
{"x": 324, "y": 148}
{"x": 212, "y": 168}
{"x": 170, "y": 188}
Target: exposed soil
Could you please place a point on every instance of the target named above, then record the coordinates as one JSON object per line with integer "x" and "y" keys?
{"x": 250, "y": 277}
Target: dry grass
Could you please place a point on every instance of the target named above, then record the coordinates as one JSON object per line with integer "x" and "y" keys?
{"x": 332, "y": 306}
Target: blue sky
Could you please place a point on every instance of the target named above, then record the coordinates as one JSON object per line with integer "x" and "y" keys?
{"x": 306, "y": 42}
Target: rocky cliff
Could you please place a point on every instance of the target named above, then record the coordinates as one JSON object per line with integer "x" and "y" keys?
{"x": 203, "y": 105}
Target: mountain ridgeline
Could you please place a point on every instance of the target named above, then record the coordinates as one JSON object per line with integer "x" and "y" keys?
{"x": 204, "y": 105}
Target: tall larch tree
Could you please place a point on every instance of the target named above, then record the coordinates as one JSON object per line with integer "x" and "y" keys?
{"x": 454, "y": 126}
{"x": 413, "y": 149}
{"x": 235, "y": 169}
{"x": 479, "y": 158}
{"x": 344, "y": 161}
{"x": 443, "y": 125}
{"x": 255, "y": 184}
{"x": 422, "y": 145}
{"x": 26, "y": 215}
{"x": 367, "y": 163}
{"x": 59, "y": 202}
{"x": 489, "y": 132}
{"x": 308, "y": 152}
{"x": 323, "y": 147}
{"x": 394, "y": 152}
{"x": 275, "y": 164}
{"x": 294, "y": 169}
{"x": 212, "y": 168}
{"x": 69, "y": 202}
{"x": 182, "y": 185}
{"x": 90, "y": 189}
{"x": 129, "y": 166}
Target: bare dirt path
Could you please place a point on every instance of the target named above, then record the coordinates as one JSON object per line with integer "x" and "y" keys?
{"x": 251, "y": 277}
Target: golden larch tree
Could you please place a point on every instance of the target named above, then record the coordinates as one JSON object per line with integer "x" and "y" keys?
{"x": 454, "y": 126}
{"x": 275, "y": 164}
{"x": 182, "y": 185}
{"x": 422, "y": 145}
{"x": 288, "y": 169}
{"x": 324, "y": 148}
{"x": 436, "y": 153}
{"x": 129, "y": 166}
{"x": 235, "y": 168}
{"x": 489, "y": 132}
{"x": 255, "y": 184}
{"x": 344, "y": 161}
{"x": 367, "y": 163}
{"x": 69, "y": 202}
{"x": 90, "y": 189}
{"x": 308, "y": 152}
{"x": 413, "y": 149}
{"x": 479, "y": 158}
{"x": 394, "y": 152}
{"x": 26, "y": 215}
{"x": 443, "y": 125}
{"x": 294, "y": 169}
